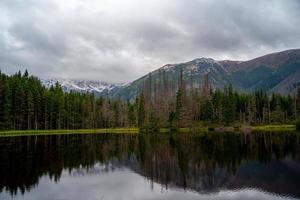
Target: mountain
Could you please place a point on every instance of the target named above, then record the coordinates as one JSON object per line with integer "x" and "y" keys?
{"x": 193, "y": 71}
{"x": 97, "y": 87}
{"x": 276, "y": 72}
{"x": 273, "y": 72}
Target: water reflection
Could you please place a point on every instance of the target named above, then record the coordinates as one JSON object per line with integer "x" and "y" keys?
{"x": 214, "y": 166}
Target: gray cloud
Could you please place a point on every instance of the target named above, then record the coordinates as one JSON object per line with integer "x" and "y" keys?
{"x": 119, "y": 41}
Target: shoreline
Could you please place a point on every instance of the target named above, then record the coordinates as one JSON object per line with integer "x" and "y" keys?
{"x": 263, "y": 128}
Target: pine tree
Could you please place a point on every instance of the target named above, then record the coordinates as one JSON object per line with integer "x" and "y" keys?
{"x": 217, "y": 101}
{"x": 29, "y": 106}
{"x": 4, "y": 103}
{"x": 141, "y": 110}
{"x": 116, "y": 111}
{"x": 153, "y": 122}
{"x": 17, "y": 101}
{"x": 131, "y": 114}
{"x": 277, "y": 116}
{"x": 207, "y": 110}
{"x": 229, "y": 105}
{"x": 179, "y": 107}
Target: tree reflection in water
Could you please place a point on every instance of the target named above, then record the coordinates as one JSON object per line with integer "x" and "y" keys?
{"x": 203, "y": 163}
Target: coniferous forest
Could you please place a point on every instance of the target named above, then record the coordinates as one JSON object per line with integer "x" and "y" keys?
{"x": 25, "y": 104}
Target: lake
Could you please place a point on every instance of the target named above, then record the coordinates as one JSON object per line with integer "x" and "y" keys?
{"x": 151, "y": 166}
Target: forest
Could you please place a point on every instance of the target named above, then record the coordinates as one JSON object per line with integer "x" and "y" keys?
{"x": 25, "y": 104}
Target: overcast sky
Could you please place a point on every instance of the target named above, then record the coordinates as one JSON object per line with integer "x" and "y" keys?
{"x": 120, "y": 40}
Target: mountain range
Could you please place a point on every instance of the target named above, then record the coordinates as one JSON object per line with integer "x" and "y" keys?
{"x": 276, "y": 72}
{"x": 97, "y": 87}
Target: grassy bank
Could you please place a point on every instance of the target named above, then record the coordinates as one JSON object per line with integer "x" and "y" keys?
{"x": 136, "y": 130}
{"x": 91, "y": 131}
{"x": 62, "y": 132}
{"x": 274, "y": 128}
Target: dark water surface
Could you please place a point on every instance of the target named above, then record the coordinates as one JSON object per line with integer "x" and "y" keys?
{"x": 184, "y": 166}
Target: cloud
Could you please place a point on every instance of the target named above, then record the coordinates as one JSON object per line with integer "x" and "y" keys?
{"x": 118, "y": 41}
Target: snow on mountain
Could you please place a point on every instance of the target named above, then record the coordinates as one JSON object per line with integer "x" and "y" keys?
{"x": 82, "y": 85}
{"x": 209, "y": 61}
{"x": 168, "y": 67}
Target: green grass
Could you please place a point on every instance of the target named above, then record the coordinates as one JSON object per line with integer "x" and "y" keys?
{"x": 61, "y": 132}
{"x": 283, "y": 127}
{"x": 185, "y": 130}
{"x": 133, "y": 130}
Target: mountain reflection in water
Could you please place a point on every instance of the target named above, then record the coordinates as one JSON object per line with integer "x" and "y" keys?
{"x": 145, "y": 166}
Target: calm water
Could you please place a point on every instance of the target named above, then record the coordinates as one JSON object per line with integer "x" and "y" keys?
{"x": 116, "y": 167}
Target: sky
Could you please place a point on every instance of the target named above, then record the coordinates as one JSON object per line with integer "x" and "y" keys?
{"x": 120, "y": 40}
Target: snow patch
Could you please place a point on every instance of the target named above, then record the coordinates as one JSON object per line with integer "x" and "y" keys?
{"x": 82, "y": 85}
{"x": 168, "y": 67}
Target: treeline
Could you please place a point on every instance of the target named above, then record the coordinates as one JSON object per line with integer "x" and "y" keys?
{"x": 194, "y": 106}
{"x": 26, "y": 104}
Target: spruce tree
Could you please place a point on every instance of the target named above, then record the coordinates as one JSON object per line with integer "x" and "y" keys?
{"x": 4, "y": 104}
{"x": 229, "y": 105}
{"x": 178, "y": 108}
{"x": 141, "y": 110}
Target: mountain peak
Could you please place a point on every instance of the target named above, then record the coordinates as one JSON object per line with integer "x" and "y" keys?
{"x": 204, "y": 60}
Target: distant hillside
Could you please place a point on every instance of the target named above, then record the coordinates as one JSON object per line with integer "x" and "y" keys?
{"x": 270, "y": 72}
{"x": 278, "y": 72}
